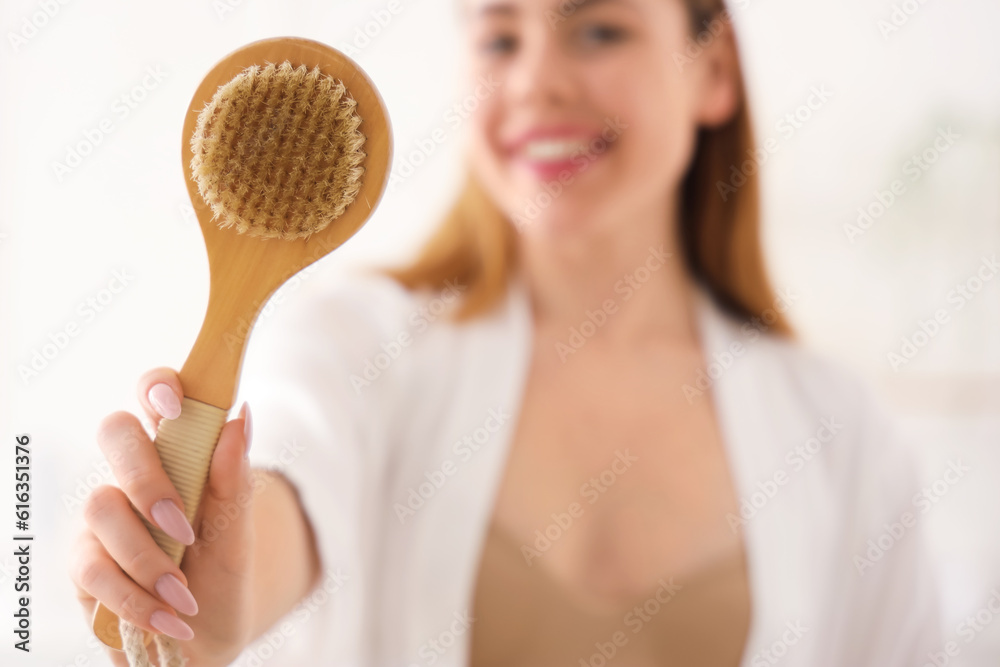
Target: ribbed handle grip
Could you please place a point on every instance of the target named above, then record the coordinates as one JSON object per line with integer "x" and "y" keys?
{"x": 185, "y": 446}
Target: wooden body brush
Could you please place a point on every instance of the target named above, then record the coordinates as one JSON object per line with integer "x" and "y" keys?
{"x": 286, "y": 148}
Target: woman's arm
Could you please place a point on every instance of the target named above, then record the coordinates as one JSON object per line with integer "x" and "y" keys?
{"x": 286, "y": 561}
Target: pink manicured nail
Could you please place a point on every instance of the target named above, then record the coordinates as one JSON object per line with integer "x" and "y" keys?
{"x": 176, "y": 594}
{"x": 171, "y": 520}
{"x": 164, "y": 401}
{"x": 169, "y": 624}
{"x": 247, "y": 428}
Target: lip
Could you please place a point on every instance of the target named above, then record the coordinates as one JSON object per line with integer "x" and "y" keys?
{"x": 515, "y": 144}
{"x": 546, "y": 168}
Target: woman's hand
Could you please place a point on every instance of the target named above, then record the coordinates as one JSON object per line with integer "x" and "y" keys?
{"x": 207, "y": 602}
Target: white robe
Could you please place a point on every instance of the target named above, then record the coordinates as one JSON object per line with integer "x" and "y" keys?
{"x": 372, "y": 405}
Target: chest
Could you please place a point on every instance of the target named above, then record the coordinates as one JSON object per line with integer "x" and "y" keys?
{"x": 615, "y": 486}
{"x": 614, "y": 479}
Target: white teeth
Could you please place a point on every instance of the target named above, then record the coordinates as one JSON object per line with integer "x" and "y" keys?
{"x": 553, "y": 149}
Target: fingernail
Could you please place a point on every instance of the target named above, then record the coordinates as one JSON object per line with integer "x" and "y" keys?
{"x": 164, "y": 401}
{"x": 169, "y": 624}
{"x": 171, "y": 520}
{"x": 176, "y": 594}
{"x": 247, "y": 428}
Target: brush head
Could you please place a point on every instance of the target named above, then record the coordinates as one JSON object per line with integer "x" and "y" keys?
{"x": 277, "y": 152}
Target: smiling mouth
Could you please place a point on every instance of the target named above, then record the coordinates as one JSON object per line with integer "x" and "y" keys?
{"x": 552, "y": 150}
{"x": 548, "y": 158}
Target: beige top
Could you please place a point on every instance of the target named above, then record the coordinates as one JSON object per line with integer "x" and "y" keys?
{"x": 525, "y": 618}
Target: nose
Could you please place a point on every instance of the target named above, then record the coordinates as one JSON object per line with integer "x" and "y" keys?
{"x": 542, "y": 75}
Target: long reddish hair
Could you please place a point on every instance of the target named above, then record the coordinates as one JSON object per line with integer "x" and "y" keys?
{"x": 719, "y": 225}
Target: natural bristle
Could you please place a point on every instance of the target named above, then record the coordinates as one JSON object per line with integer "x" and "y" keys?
{"x": 277, "y": 151}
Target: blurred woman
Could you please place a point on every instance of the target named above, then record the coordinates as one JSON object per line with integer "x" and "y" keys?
{"x": 575, "y": 430}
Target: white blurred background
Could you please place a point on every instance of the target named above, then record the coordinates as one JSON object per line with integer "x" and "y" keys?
{"x": 120, "y": 219}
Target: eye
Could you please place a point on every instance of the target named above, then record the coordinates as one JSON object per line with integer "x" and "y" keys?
{"x": 497, "y": 45}
{"x": 600, "y": 34}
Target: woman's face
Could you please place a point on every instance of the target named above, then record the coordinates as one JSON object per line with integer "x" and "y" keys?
{"x": 588, "y": 109}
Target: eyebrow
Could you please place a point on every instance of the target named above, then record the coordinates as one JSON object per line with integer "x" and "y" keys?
{"x": 506, "y": 9}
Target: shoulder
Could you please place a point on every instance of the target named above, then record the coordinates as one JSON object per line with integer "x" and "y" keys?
{"x": 803, "y": 394}
{"x": 349, "y": 315}
{"x": 335, "y": 356}
{"x": 785, "y": 377}
{"x": 320, "y": 327}
{"x": 814, "y": 378}
{"x": 823, "y": 386}
{"x": 372, "y": 338}
{"x": 344, "y": 301}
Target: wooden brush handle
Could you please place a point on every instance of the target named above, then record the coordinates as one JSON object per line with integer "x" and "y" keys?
{"x": 185, "y": 446}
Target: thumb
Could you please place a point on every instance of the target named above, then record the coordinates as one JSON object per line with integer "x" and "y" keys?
{"x": 226, "y": 508}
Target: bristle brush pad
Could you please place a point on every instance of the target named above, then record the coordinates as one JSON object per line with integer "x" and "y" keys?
{"x": 277, "y": 151}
